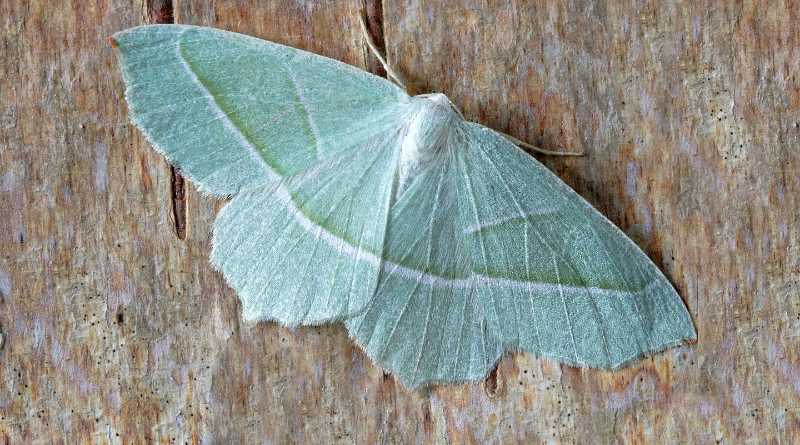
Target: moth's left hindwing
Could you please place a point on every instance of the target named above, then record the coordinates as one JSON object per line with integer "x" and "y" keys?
{"x": 307, "y": 250}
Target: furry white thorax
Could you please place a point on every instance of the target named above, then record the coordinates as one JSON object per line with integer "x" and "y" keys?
{"x": 429, "y": 128}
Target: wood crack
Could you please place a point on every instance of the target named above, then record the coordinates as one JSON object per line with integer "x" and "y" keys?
{"x": 162, "y": 11}
{"x": 374, "y": 21}
{"x": 178, "y": 197}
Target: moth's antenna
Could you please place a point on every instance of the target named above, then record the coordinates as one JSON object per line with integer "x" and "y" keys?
{"x": 523, "y": 144}
{"x": 398, "y": 79}
{"x": 395, "y": 76}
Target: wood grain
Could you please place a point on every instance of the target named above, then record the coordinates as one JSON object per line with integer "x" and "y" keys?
{"x": 117, "y": 330}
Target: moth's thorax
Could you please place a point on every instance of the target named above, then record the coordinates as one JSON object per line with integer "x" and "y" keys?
{"x": 430, "y": 125}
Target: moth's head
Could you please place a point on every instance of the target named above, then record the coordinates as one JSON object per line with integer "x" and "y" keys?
{"x": 434, "y": 116}
{"x": 432, "y": 119}
{"x": 439, "y": 99}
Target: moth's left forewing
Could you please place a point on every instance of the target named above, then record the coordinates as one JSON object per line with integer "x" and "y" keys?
{"x": 233, "y": 111}
{"x": 305, "y": 144}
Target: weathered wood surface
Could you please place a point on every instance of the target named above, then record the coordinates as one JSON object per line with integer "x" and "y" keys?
{"x": 117, "y": 330}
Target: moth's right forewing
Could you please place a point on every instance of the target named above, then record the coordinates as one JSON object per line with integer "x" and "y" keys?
{"x": 561, "y": 280}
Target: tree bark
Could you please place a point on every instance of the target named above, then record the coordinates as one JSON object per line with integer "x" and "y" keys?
{"x": 115, "y": 328}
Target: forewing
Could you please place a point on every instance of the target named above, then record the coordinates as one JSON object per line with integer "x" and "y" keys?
{"x": 566, "y": 282}
{"x": 519, "y": 261}
{"x": 307, "y": 249}
{"x": 233, "y": 111}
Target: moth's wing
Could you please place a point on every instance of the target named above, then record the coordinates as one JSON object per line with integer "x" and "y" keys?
{"x": 306, "y": 250}
{"x": 424, "y": 323}
{"x": 233, "y": 111}
{"x": 305, "y": 143}
{"x": 594, "y": 298}
{"x": 538, "y": 269}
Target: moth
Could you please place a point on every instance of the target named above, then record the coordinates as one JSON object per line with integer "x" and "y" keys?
{"x": 437, "y": 241}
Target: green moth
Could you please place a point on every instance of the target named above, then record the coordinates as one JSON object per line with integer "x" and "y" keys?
{"x": 437, "y": 241}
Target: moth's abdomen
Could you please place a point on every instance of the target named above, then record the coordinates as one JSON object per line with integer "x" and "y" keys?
{"x": 431, "y": 123}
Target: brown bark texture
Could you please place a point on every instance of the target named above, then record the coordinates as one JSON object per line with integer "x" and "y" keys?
{"x": 117, "y": 330}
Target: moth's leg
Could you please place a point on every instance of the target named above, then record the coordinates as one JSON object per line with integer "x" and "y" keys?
{"x": 523, "y": 144}
{"x": 395, "y": 76}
